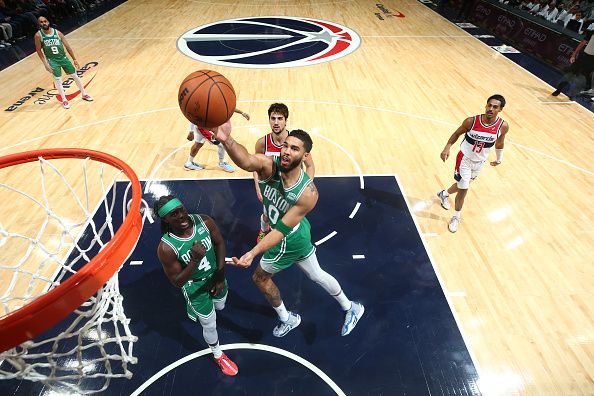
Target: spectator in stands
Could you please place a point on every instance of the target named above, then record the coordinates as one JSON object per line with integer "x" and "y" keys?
{"x": 576, "y": 23}
{"x": 582, "y": 63}
{"x": 536, "y": 7}
{"x": 22, "y": 22}
{"x": 543, "y": 11}
{"x": 5, "y": 32}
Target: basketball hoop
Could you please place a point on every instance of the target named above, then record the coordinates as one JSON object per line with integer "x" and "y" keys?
{"x": 84, "y": 286}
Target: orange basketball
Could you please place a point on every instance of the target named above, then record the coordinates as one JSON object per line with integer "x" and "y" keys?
{"x": 206, "y": 98}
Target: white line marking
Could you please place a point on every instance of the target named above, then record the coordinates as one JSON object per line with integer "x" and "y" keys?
{"x": 355, "y": 210}
{"x": 299, "y": 101}
{"x": 136, "y": 262}
{"x": 260, "y": 347}
{"x": 568, "y": 102}
{"x": 325, "y": 238}
{"x": 555, "y": 159}
{"x": 441, "y": 283}
{"x": 358, "y": 256}
{"x": 357, "y": 167}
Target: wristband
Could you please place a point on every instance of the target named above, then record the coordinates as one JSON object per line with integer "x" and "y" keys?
{"x": 283, "y": 228}
{"x": 499, "y": 155}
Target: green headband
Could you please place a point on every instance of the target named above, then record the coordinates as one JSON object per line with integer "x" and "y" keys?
{"x": 168, "y": 207}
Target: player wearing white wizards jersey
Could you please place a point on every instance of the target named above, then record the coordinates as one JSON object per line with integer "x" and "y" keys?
{"x": 199, "y": 136}
{"x": 481, "y": 133}
{"x": 270, "y": 145}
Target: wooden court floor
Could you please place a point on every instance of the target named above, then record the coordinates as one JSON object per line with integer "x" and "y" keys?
{"x": 519, "y": 272}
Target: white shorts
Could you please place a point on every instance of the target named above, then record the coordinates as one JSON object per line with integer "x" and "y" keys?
{"x": 200, "y": 138}
{"x": 466, "y": 170}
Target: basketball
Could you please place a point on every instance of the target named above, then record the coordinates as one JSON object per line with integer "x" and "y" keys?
{"x": 206, "y": 98}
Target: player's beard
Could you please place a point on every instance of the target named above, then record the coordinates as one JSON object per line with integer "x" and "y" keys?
{"x": 292, "y": 165}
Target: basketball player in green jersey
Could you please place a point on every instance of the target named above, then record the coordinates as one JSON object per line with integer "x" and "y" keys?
{"x": 192, "y": 252}
{"x": 270, "y": 145}
{"x": 49, "y": 44}
{"x": 288, "y": 194}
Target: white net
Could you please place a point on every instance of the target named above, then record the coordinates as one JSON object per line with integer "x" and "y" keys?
{"x": 55, "y": 217}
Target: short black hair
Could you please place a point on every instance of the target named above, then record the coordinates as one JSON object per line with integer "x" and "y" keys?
{"x": 498, "y": 97}
{"x": 279, "y": 108}
{"x": 158, "y": 205}
{"x": 304, "y": 137}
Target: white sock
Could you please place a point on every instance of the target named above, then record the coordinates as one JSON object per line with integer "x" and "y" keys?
{"x": 221, "y": 154}
{"x": 60, "y": 88}
{"x": 344, "y": 302}
{"x": 282, "y": 312}
{"x": 457, "y": 213}
{"x": 79, "y": 84}
{"x": 446, "y": 193}
{"x": 190, "y": 159}
{"x": 264, "y": 225}
{"x": 216, "y": 350}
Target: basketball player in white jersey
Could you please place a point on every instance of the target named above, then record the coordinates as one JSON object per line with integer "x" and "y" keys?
{"x": 481, "y": 133}
{"x": 270, "y": 145}
{"x": 201, "y": 135}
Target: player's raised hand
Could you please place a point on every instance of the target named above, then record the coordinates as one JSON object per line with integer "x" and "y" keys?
{"x": 223, "y": 132}
{"x": 244, "y": 261}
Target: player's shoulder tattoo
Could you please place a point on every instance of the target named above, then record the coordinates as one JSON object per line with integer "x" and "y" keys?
{"x": 312, "y": 188}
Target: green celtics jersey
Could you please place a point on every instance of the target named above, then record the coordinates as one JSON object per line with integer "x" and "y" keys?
{"x": 52, "y": 45}
{"x": 182, "y": 247}
{"x": 277, "y": 198}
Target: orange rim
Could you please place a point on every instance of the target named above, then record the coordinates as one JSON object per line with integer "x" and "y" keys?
{"x": 47, "y": 310}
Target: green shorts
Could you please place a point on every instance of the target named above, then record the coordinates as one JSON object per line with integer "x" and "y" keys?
{"x": 199, "y": 300}
{"x": 294, "y": 247}
{"x": 63, "y": 63}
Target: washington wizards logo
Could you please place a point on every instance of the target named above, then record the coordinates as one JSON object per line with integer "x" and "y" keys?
{"x": 268, "y": 42}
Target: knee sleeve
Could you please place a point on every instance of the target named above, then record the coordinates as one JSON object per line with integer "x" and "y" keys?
{"x": 209, "y": 328}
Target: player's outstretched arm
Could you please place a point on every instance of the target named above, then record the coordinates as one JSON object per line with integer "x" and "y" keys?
{"x": 304, "y": 205}
{"x": 239, "y": 154}
{"x": 462, "y": 129}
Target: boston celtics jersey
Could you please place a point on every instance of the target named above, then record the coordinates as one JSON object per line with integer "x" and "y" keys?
{"x": 278, "y": 199}
{"x": 182, "y": 247}
{"x": 52, "y": 45}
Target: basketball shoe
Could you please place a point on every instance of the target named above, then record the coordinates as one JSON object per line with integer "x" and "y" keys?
{"x": 262, "y": 234}
{"x": 453, "y": 224}
{"x": 227, "y": 366}
{"x": 193, "y": 166}
{"x": 443, "y": 199}
{"x": 283, "y": 328}
{"x": 87, "y": 97}
{"x": 351, "y": 317}
{"x": 65, "y": 104}
{"x": 227, "y": 167}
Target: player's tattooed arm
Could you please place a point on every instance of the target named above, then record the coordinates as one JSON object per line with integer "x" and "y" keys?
{"x": 312, "y": 188}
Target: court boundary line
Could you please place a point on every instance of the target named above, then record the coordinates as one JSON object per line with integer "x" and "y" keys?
{"x": 261, "y": 347}
{"x": 442, "y": 285}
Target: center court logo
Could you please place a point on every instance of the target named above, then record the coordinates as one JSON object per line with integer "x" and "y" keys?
{"x": 268, "y": 42}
